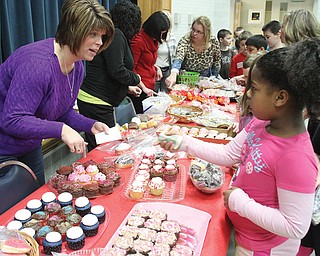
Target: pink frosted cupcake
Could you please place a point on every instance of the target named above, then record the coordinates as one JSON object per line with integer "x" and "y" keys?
{"x": 156, "y": 186}
{"x": 92, "y": 170}
{"x": 156, "y": 171}
{"x": 144, "y": 173}
{"x": 170, "y": 173}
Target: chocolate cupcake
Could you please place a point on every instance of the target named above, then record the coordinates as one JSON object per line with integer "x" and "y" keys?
{"x": 15, "y": 225}
{"x": 48, "y": 197}
{"x": 91, "y": 190}
{"x": 52, "y": 243}
{"x": 90, "y": 225}
{"x": 99, "y": 212}
{"x": 23, "y": 215}
{"x": 29, "y": 231}
{"x": 42, "y": 232}
{"x": 42, "y": 216}
{"x": 52, "y": 208}
{"x": 57, "y": 179}
{"x": 106, "y": 186}
{"x": 64, "y": 186}
{"x": 75, "y": 238}
{"x": 65, "y": 199}
{"x": 55, "y": 220}
{"x": 67, "y": 210}
{"x": 65, "y": 170}
{"x": 34, "y": 205}
{"x": 82, "y": 205}
{"x": 115, "y": 177}
{"x": 76, "y": 190}
{"x": 62, "y": 228}
{"x": 74, "y": 219}
{"x": 34, "y": 224}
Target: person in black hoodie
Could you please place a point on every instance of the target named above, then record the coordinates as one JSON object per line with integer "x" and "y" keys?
{"x": 109, "y": 76}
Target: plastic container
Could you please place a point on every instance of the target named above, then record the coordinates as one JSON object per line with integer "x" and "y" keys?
{"x": 156, "y": 105}
{"x": 188, "y": 78}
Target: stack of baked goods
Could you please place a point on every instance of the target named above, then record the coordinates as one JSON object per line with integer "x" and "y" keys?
{"x": 153, "y": 171}
{"x": 59, "y": 221}
{"x": 150, "y": 232}
{"x": 89, "y": 179}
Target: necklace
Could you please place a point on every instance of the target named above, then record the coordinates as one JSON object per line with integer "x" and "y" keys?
{"x": 68, "y": 79}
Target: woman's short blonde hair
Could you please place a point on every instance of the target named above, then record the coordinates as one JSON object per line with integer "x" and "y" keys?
{"x": 78, "y": 19}
{"x": 206, "y": 24}
{"x": 299, "y": 25}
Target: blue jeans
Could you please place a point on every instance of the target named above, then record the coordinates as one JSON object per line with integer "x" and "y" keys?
{"x": 33, "y": 159}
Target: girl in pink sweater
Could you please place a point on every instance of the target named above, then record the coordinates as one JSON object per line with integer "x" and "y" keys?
{"x": 270, "y": 198}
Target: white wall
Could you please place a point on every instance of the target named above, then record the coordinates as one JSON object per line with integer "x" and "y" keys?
{"x": 219, "y": 12}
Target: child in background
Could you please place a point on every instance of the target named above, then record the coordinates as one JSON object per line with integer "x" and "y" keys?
{"x": 271, "y": 197}
{"x": 256, "y": 44}
{"x": 272, "y": 32}
{"x": 225, "y": 39}
{"x": 237, "y": 61}
{"x": 236, "y": 34}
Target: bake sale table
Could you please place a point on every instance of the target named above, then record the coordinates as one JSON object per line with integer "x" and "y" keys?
{"x": 216, "y": 238}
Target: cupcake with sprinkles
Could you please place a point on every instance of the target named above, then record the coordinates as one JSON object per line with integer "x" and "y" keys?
{"x": 75, "y": 238}
{"x": 74, "y": 219}
{"x": 62, "y": 228}
{"x": 156, "y": 186}
{"x": 82, "y": 205}
{"x": 67, "y": 210}
{"x": 52, "y": 208}
{"x": 42, "y": 216}
{"x": 90, "y": 225}
{"x": 99, "y": 212}
{"x": 34, "y": 205}
{"x": 42, "y": 232}
{"x": 34, "y": 224}
{"x": 55, "y": 220}
{"x": 52, "y": 243}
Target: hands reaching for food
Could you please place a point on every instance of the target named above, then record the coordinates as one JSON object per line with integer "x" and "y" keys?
{"x": 74, "y": 140}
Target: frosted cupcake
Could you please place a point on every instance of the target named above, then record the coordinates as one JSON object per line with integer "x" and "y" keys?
{"x": 92, "y": 170}
{"x": 52, "y": 243}
{"x": 29, "y": 231}
{"x": 136, "y": 190}
{"x": 65, "y": 199}
{"x": 170, "y": 173}
{"x": 14, "y": 225}
{"x": 74, "y": 219}
{"x": 22, "y": 215}
{"x": 156, "y": 186}
{"x": 90, "y": 225}
{"x": 52, "y": 208}
{"x": 99, "y": 212}
{"x": 82, "y": 205}
{"x": 42, "y": 232}
{"x": 48, "y": 197}
{"x": 34, "y": 205}
{"x": 75, "y": 238}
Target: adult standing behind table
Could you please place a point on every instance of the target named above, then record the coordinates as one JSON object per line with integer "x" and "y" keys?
{"x": 197, "y": 51}
{"x": 166, "y": 55}
{"x": 144, "y": 47}
{"x": 40, "y": 81}
{"x": 109, "y": 76}
{"x": 300, "y": 25}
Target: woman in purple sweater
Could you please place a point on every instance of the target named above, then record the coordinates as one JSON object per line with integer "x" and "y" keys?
{"x": 40, "y": 81}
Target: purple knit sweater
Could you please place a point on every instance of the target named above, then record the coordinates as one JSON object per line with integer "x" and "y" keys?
{"x": 35, "y": 98}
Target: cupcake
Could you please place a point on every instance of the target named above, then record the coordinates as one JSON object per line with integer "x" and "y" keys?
{"x": 55, "y": 180}
{"x": 136, "y": 190}
{"x": 99, "y": 212}
{"x": 34, "y": 224}
{"x": 122, "y": 148}
{"x": 62, "y": 228}
{"x": 156, "y": 186}
{"x": 106, "y": 186}
{"x": 15, "y": 225}
{"x": 22, "y": 215}
{"x": 82, "y": 205}
{"x": 99, "y": 177}
{"x": 42, "y": 216}
{"x": 64, "y": 186}
{"x": 29, "y": 231}
{"x": 76, "y": 190}
{"x": 142, "y": 246}
{"x": 74, "y": 219}
{"x": 91, "y": 190}
{"x": 171, "y": 226}
{"x": 170, "y": 173}
{"x": 115, "y": 177}
{"x": 54, "y": 220}
{"x": 52, "y": 208}
{"x": 34, "y": 205}
{"x": 42, "y": 232}
{"x": 142, "y": 179}
{"x": 65, "y": 170}
{"x": 52, "y": 243}
{"x": 104, "y": 167}
{"x": 67, "y": 210}
{"x": 75, "y": 238}
{"x": 92, "y": 169}
{"x": 65, "y": 199}
{"x": 48, "y": 197}
{"x": 90, "y": 225}
{"x": 144, "y": 173}
{"x": 156, "y": 171}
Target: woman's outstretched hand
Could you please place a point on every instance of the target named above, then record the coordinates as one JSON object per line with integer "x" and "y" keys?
{"x": 74, "y": 140}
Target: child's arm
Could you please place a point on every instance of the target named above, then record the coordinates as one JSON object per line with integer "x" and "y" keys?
{"x": 292, "y": 220}
{"x": 219, "y": 154}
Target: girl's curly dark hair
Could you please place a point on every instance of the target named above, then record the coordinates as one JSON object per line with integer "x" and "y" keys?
{"x": 126, "y": 16}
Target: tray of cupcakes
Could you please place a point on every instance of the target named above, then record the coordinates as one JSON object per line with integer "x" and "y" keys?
{"x": 89, "y": 179}
{"x": 61, "y": 224}
{"x": 156, "y": 176}
{"x": 160, "y": 228}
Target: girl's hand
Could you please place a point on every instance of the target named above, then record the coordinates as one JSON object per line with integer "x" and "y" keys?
{"x": 159, "y": 73}
{"x": 234, "y": 127}
{"x": 170, "y": 141}
{"x": 171, "y": 80}
{"x": 73, "y": 140}
{"x": 226, "y": 195}
{"x": 149, "y": 92}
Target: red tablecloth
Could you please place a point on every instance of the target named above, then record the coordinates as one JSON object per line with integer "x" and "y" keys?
{"x": 218, "y": 233}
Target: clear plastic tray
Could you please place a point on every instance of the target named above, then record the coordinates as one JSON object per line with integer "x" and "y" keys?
{"x": 173, "y": 192}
